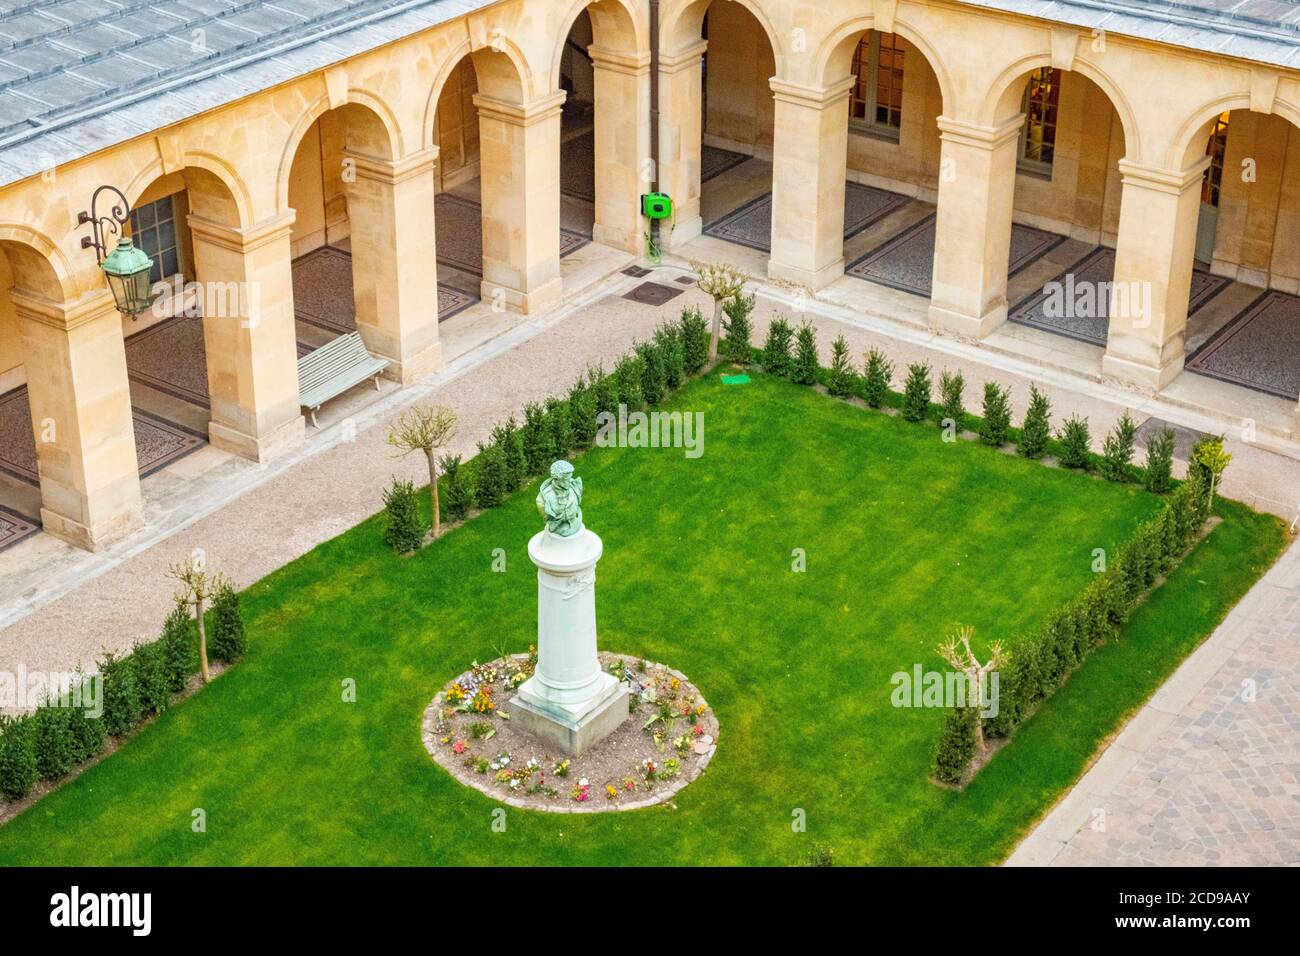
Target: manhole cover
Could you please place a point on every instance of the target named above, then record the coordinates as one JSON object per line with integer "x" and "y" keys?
{"x": 685, "y": 280}
{"x": 653, "y": 293}
{"x": 636, "y": 272}
{"x": 1184, "y": 438}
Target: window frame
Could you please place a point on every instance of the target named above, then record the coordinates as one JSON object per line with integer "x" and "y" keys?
{"x": 869, "y": 101}
{"x": 1036, "y": 166}
{"x": 155, "y": 249}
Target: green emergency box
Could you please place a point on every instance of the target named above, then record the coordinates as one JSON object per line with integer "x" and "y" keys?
{"x": 656, "y": 205}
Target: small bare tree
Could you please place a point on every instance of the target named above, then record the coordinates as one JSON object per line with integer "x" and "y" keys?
{"x": 957, "y": 652}
{"x": 721, "y": 282}
{"x": 425, "y": 428}
{"x": 198, "y": 586}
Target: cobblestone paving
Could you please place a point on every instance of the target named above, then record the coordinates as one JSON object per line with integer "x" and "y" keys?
{"x": 1220, "y": 783}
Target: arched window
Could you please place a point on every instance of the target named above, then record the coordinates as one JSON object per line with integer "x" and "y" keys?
{"x": 1038, "y": 138}
{"x": 876, "y": 101}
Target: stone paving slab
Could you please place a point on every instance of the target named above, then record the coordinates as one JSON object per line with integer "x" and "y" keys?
{"x": 1208, "y": 772}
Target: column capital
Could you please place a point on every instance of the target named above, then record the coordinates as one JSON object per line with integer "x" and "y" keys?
{"x": 634, "y": 64}
{"x": 73, "y": 314}
{"x": 242, "y": 239}
{"x": 682, "y": 58}
{"x": 978, "y": 135}
{"x": 1157, "y": 179}
{"x": 393, "y": 171}
{"x": 811, "y": 97}
{"x": 526, "y": 114}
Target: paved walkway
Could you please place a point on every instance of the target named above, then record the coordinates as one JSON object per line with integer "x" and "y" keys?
{"x": 1208, "y": 772}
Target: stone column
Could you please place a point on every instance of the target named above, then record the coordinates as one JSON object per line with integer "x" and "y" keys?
{"x": 519, "y": 161}
{"x": 1295, "y": 424}
{"x": 972, "y": 246}
{"x": 569, "y": 702}
{"x": 248, "y": 332}
{"x": 1153, "y": 273}
{"x": 681, "y": 126}
{"x": 394, "y": 260}
{"x": 810, "y": 155}
{"x": 81, "y": 417}
{"x": 622, "y": 121}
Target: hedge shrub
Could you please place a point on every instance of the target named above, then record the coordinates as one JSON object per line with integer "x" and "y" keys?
{"x": 916, "y": 392}
{"x": 404, "y": 528}
{"x": 955, "y": 747}
{"x": 1042, "y": 661}
{"x": 18, "y": 773}
{"x": 226, "y": 641}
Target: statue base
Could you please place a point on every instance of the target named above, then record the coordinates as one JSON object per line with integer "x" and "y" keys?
{"x": 569, "y": 702}
{"x": 568, "y": 733}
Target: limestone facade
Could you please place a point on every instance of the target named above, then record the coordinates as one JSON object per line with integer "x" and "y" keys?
{"x": 359, "y": 150}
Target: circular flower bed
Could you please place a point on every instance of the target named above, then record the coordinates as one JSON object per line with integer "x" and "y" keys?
{"x": 666, "y": 742}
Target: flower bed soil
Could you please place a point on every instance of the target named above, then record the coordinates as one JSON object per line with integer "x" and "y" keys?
{"x": 666, "y": 742}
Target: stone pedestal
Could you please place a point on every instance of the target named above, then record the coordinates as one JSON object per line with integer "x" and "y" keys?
{"x": 569, "y": 703}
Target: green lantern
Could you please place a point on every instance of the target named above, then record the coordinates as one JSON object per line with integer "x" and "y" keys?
{"x": 127, "y": 269}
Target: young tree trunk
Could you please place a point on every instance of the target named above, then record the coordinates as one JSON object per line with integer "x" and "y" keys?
{"x": 203, "y": 641}
{"x": 716, "y": 332}
{"x": 433, "y": 493}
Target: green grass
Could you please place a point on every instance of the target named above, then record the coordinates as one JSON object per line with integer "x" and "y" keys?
{"x": 905, "y": 537}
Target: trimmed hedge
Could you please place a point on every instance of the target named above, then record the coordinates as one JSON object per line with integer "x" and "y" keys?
{"x": 57, "y": 737}
{"x": 1041, "y": 662}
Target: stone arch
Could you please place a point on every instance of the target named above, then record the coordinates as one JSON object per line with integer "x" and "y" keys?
{"x": 372, "y": 128}
{"x": 38, "y": 265}
{"x": 1188, "y": 144}
{"x": 1005, "y": 93}
{"x": 615, "y": 26}
{"x": 834, "y": 56}
{"x": 502, "y": 74}
{"x": 683, "y": 24}
{"x": 217, "y": 197}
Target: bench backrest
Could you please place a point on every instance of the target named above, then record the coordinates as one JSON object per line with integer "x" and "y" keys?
{"x": 325, "y": 363}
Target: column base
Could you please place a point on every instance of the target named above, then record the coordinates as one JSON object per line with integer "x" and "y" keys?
{"x": 566, "y": 732}
{"x": 622, "y": 239}
{"x": 258, "y": 448}
{"x": 812, "y": 280}
{"x": 965, "y": 326}
{"x": 525, "y": 303}
{"x": 416, "y": 366}
{"x": 679, "y": 233}
{"x": 1144, "y": 377}
{"x": 88, "y": 538}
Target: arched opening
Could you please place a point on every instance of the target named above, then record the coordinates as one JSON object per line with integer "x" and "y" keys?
{"x": 578, "y": 129}
{"x": 1247, "y": 247}
{"x": 603, "y": 71}
{"x": 332, "y": 271}
{"x": 1066, "y": 206}
{"x": 71, "y": 445}
{"x": 892, "y": 158}
{"x": 738, "y": 124}
{"x": 499, "y": 233}
{"x": 23, "y": 267}
{"x": 173, "y": 351}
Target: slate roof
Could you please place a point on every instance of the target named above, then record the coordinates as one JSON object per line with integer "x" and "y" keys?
{"x": 1266, "y": 31}
{"x": 77, "y": 76}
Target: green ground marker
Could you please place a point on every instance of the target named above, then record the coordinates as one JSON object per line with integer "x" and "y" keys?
{"x": 735, "y": 379}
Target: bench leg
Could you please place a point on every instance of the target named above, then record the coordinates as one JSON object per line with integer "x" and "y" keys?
{"x": 314, "y": 423}
{"x": 376, "y": 383}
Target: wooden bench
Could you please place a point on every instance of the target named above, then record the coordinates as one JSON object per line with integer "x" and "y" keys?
{"x": 332, "y": 369}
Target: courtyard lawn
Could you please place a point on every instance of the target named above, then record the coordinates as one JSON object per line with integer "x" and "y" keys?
{"x": 905, "y": 537}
